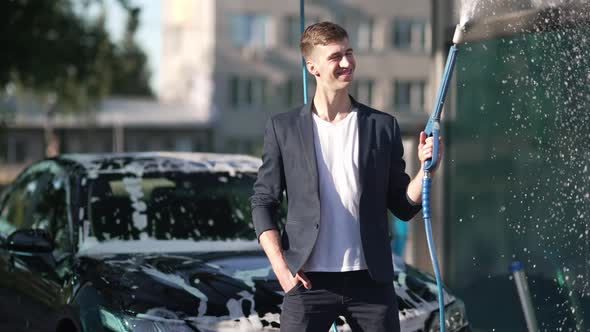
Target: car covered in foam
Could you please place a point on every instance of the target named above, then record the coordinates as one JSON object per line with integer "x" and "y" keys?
{"x": 154, "y": 242}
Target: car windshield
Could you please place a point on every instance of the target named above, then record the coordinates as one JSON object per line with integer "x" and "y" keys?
{"x": 171, "y": 206}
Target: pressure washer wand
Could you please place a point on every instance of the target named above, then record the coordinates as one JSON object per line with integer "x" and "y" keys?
{"x": 433, "y": 130}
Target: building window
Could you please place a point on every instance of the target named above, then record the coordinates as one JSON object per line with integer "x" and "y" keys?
{"x": 293, "y": 29}
{"x": 247, "y": 87}
{"x": 250, "y": 31}
{"x": 248, "y": 91}
{"x": 144, "y": 145}
{"x": 201, "y": 142}
{"x": 360, "y": 31}
{"x": 240, "y": 145}
{"x": 364, "y": 37}
{"x": 411, "y": 34}
{"x": 20, "y": 152}
{"x": 259, "y": 90}
{"x": 362, "y": 90}
{"x": 408, "y": 96}
{"x": 294, "y": 90}
{"x": 234, "y": 98}
{"x": 183, "y": 144}
{"x": 263, "y": 91}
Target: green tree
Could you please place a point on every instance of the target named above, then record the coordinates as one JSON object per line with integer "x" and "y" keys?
{"x": 54, "y": 52}
{"x": 51, "y": 47}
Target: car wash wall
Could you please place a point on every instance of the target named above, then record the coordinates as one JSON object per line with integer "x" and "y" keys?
{"x": 517, "y": 165}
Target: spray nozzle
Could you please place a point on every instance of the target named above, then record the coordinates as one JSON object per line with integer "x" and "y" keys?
{"x": 459, "y": 34}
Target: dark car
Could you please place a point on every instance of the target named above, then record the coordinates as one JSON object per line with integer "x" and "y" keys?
{"x": 153, "y": 242}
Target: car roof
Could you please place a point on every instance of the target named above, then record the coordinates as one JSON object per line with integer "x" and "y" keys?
{"x": 148, "y": 162}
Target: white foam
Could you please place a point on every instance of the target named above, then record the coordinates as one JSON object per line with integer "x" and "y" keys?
{"x": 178, "y": 282}
{"x": 92, "y": 247}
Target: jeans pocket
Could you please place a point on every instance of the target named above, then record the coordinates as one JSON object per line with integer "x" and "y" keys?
{"x": 294, "y": 288}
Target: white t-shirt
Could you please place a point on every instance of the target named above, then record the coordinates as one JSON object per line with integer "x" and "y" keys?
{"x": 338, "y": 247}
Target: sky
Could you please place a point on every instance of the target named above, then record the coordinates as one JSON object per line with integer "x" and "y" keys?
{"x": 149, "y": 34}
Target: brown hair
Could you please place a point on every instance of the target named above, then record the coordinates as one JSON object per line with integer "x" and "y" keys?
{"x": 321, "y": 33}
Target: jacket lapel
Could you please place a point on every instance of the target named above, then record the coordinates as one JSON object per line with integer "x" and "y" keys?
{"x": 306, "y": 136}
{"x": 364, "y": 141}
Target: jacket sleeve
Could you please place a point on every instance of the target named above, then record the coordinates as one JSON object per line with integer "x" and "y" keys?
{"x": 398, "y": 201}
{"x": 270, "y": 184}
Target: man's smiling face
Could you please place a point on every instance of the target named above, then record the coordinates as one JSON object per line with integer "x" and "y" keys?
{"x": 332, "y": 64}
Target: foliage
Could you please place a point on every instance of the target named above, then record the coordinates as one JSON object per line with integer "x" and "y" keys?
{"x": 55, "y": 49}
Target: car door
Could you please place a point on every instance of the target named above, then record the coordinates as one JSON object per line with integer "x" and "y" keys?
{"x": 32, "y": 282}
{"x": 10, "y": 318}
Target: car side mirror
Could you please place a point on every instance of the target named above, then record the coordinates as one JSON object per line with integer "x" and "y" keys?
{"x": 29, "y": 240}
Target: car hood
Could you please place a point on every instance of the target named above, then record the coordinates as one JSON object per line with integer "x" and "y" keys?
{"x": 184, "y": 285}
{"x": 223, "y": 285}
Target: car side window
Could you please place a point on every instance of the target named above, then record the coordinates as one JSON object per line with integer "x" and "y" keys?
{"x": 6, "y": 228}
{"x": 38, "y": 201}
{"x": 58, "y": 222}
{"x": 16, "y": 212}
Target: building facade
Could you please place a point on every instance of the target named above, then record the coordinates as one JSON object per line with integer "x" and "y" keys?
{"x": 241, "y": 59}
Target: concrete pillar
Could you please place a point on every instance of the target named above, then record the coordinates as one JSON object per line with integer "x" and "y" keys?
{"x": 118, "y": 138}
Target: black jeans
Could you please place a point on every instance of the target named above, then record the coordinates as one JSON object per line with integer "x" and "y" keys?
{"x": 366, "y": 305}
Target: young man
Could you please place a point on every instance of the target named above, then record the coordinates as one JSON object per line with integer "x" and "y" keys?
{"x": 340, "y": 164}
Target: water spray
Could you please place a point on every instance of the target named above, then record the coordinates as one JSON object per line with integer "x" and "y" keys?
{"x": 433, "y": 130}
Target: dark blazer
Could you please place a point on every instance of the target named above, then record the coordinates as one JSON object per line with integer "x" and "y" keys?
{"x": 289, "y": 164}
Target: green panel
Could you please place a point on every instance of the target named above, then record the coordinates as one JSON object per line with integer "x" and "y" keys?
{"x": 518, "y": 182}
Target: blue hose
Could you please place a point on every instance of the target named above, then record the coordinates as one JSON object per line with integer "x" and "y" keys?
{"x": 426, "y": 185}
{"x": 302, "y": 28}
{"x": 433, "y": 130}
